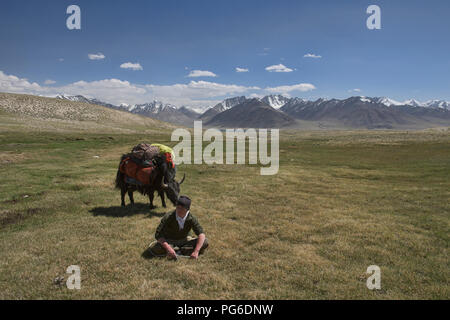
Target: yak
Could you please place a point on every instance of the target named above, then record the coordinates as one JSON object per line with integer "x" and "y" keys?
{"x": 162, "y": 180}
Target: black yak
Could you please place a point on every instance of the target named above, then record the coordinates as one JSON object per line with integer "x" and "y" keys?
{"x": 161, "y": 178}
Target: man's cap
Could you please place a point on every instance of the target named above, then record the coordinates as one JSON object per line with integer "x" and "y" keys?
{"x": 185, "y": 201}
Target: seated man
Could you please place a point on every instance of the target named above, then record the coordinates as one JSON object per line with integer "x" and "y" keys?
{"x": 173, "y": 232}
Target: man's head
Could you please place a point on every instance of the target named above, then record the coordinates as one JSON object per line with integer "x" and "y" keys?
{"x": 183, "y": 205}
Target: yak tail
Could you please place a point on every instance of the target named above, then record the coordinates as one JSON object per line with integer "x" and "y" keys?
{"x": 120, "y": 176}
{"x": 119, "y": 180}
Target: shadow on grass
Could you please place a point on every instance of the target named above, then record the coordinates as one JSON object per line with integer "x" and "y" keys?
{"x": 148, "y": 255}
{"x": 129, "y": 210}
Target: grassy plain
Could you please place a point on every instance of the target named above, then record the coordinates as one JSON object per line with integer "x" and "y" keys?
{"x": 341, "y": 201}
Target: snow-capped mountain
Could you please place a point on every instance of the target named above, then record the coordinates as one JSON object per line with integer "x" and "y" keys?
{"x": 77, "y": 98}
{"x": 154, "y": 107}
{"x": 252, "y": 113}
{"x": 357, "y": 111}
{"x": 387, "y": 101}
{"x": 229, "y": 103}
{"x": 275, "y": 101}
{"x": 438, "y": 104}
{"x": 370, "y": 113}
{"x": 221, "y": 107}
{"x": 413, "y": 103}
{"x": 80, "y": 98}
{"x": 165, "y": 112}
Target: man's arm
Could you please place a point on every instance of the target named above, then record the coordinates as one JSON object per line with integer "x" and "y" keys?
{"x": 160, "y": 237}
{"x": 159, "y": 231}
{"x": 196, "y": 226}
{"x": 167, "y": 246}
{"x": 200, "y": 241}
{"x": 201, "y": 238}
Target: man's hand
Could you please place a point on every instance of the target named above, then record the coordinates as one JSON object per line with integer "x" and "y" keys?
{"x": 194, "y": 255}
{"x": 171, "y": 253}
{"x": 198, "y": 246}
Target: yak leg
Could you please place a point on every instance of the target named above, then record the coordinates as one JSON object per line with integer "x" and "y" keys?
{"x": 130, "y": 195}
{"x": 151, "y": 197}
{"x": 122, "y": 196}
{"x": 163, "y": 200}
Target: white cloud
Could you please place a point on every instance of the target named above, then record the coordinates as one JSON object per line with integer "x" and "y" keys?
{"x": 194, "y": 93}
{"x": 198, "y": 89}
{"x": 312, "y": 55}
{"x": 201, "y": 73}
{"x": 10, "y": 83}
{"x": 355, "y": 90}
{"x": 107, "y": 89}
{"x": 49, "y": 81}
{"x": 278, "y": 68}
{"x": 96, "y": 56}
{"x": 199, "y": 94}
{"x": 132, "y": 66}
{"x": 303, "y": 87}
{"x": 61, "y": 59}
{"x": 241, "y": 69}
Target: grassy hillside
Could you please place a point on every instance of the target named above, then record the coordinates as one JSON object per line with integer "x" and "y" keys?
{"x": 341, "y": 201}
{"x": 32, "y": 113}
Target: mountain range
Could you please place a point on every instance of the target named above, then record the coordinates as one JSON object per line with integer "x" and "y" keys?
{"x": 252, "y": 113}
{"x": 284, "y": 112}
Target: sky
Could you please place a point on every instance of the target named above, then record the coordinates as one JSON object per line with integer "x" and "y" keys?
{"x": 199, "y": 52}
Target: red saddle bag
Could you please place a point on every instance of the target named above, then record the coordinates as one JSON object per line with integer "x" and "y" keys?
{"x": 132, "y": 170}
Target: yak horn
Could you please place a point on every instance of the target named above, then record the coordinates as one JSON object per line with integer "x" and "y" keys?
{"x": 163, "y": 185}
{"x": 184, "y": 176}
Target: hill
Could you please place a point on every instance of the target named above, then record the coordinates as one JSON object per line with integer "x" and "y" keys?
{"x": 251, "y": 113}
{"x": 221, "y": 107}
{"x": 53, "y": 113}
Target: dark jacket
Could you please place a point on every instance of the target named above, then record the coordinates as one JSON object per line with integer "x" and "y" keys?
{"x": 169, "y": 229}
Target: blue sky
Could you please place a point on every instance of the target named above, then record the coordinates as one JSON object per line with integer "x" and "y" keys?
{"x": 408, "y": 58}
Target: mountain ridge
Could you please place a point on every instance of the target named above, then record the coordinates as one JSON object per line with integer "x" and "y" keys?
{"x": 352, "y": 112}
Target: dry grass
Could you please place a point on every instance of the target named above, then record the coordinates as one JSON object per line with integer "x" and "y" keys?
{"x": 11, "y": 157}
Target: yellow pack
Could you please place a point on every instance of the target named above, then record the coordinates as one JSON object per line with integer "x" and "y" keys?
{"x": 163, "y": 149}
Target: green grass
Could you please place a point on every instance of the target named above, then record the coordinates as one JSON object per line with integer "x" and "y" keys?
{"x": 341, "y": 201}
